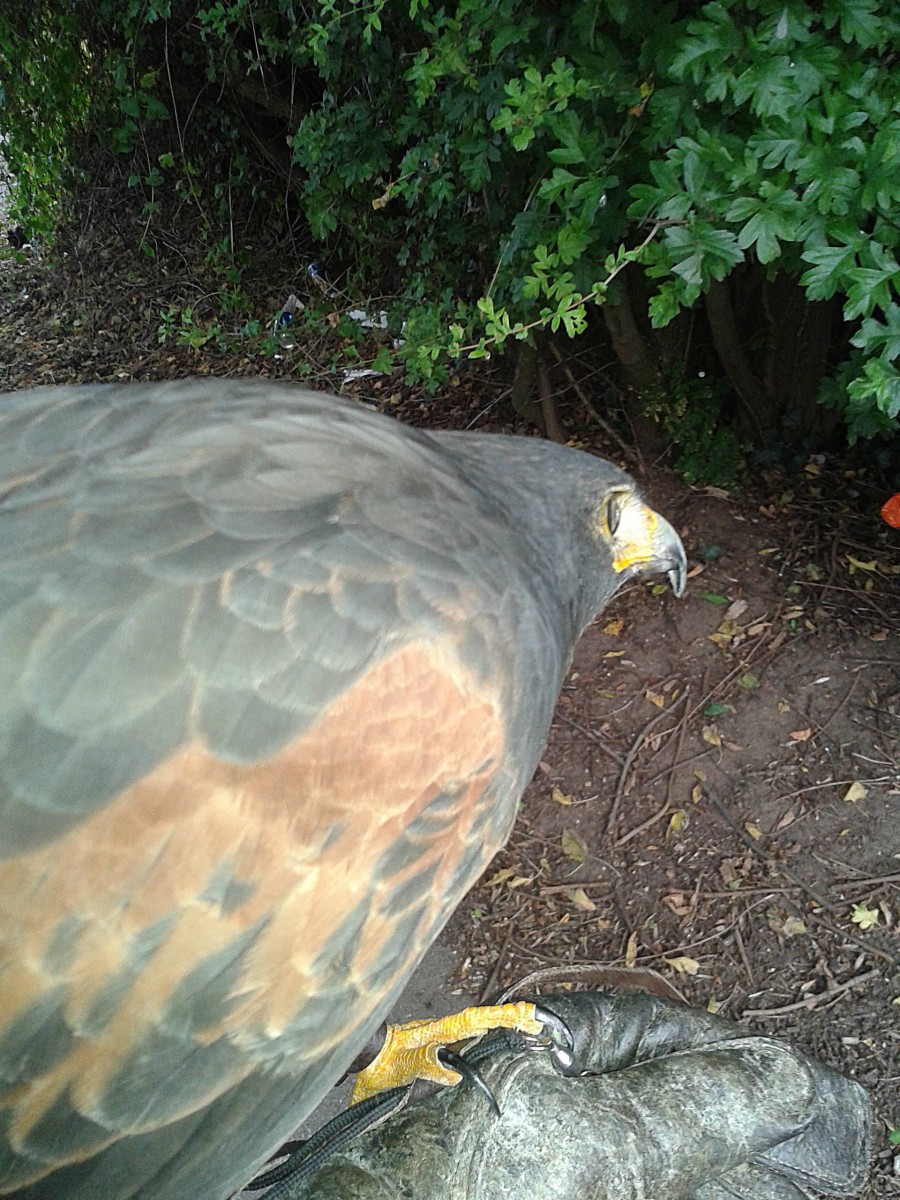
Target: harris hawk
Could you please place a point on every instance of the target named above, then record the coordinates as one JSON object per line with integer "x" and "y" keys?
{"x": 276, "y": 670}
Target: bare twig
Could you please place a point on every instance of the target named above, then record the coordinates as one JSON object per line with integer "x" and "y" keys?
{"x": 629, "y": 759}
{"x": 808, "y": 1002}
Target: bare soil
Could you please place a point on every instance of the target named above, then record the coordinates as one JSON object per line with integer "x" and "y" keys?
{"x": 720, "y": 795}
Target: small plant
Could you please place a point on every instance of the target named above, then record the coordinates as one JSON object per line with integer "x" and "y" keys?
{"x": 689, "y": 413}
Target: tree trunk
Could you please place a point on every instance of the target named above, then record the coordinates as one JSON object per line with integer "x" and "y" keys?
{"x": 757, "y": 412}
{"x": 639, "y": 369}
{"x": 797, "y": 351}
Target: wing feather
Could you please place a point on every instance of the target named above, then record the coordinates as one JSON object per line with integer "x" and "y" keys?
{"x": 253, "y": 749}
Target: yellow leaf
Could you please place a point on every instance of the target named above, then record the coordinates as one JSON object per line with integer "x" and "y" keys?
{"x": 500, "y": 877}
{"x": 768, "y": 550}
{"x": 582, "y": 900}
{"x": 856, "y": 791}
{"x": 561, "y": 797}
{"x": 631, "y": 950}
{"x": 613, "y": 654}
{"x": 801, "y": 735}
{"x": 684, "y": 965}
{"x": 711, "y": 735}
{"x": 573, "y": 847}
{"x": 721, "y": 639}
{"x": 656, "y": 698}
{"x": 754, "y": 830}
{"x": 862, "y": 566}
{"x": 678, "y": 821}
{"x": 864, "y": 917}
{"x": 518, "y": 880}
{"x": 696, "y": 793}
{"x": 712, "y": 1006}
{"x": 614, "y": 628}
{"x": 792, "y": 927}
{"x": 783, "y": 706}
{"x": 699, "y": 773}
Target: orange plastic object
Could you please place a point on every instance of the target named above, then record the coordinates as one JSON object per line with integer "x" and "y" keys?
{"x": 890, "y": 510}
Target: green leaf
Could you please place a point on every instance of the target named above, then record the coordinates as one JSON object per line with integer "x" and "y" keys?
{"x": 383, "y": 361}
{"x": 714, "y": 598}
{"x": 829, "y": 267}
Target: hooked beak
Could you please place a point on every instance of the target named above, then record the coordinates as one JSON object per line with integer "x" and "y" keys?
{"x": 647, "y": 541}
{"x": 669, "y": 556}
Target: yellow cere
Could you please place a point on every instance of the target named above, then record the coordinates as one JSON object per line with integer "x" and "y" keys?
{"x": 632, "y": 542}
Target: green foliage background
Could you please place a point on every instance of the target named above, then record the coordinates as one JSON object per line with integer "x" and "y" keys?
{"x": 497, "y": 166}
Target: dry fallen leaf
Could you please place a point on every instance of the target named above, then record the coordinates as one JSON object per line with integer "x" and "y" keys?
{"x": 788, "y": 819}
{"x": 801, "y": 735}
{"x": 683, "y": 964}
{"x": 582, "y": 900}
{"x": 736, "y": 609}
{"x": 500, "y": 877}
{"x": 792, "y": 927}
{"x": 857, "y": 565}
{"x": 631, "y": 950}
{"x": 728, "y": 872}
{"x": 754, "y": 830}
{"x": 856, "y": 791}
{"x": 614, "y": 628}
{"x": 678, "y": 903}
{"x": 696, "y": 793}
{"x": 573, "y": 847}
{"x": 656, "y": 698}
{"x": 678, "y": 821}
{"x": 711, "y": 735}
{"x": 561, "y": 797}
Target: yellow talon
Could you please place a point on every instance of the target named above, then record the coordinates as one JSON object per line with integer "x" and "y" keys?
{"x": 410, "y": 1051}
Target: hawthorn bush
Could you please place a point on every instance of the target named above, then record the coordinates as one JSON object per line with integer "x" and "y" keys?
{"x": 722, "y": 180}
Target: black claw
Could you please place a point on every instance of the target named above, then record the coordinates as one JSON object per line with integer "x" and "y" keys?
{"x": 560, "y": 1031}
{"x": 470, "y": 1074}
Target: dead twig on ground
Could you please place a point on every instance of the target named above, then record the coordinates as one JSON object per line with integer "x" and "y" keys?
{"x": 808, "y": 1002}
{"x": 632, "y": 754}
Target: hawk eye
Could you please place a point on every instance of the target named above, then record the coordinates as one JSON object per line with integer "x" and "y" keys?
{"x": 613, "y": 514}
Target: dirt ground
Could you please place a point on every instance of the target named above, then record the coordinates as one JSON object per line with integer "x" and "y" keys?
{"x": 720, "y": 795}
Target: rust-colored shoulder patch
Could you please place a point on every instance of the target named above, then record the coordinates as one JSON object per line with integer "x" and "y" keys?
{"x": 227, "y": 902}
